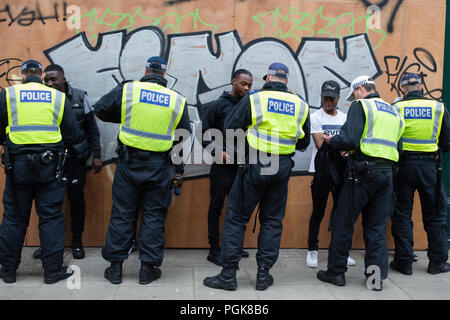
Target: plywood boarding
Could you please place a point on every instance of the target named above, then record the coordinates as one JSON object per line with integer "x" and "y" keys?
{"x": 204, "y": 41}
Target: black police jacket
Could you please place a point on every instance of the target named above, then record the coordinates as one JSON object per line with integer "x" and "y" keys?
{"x": 69, "y": 128}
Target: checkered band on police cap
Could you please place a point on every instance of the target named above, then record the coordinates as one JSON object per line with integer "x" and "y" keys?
{"x": 358, "y": 82}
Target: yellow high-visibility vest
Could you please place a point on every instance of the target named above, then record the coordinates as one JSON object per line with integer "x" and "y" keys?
{"x": 150, "y": 114}
{"x": 34, "y": 113}
{"x": 277, "y": 121}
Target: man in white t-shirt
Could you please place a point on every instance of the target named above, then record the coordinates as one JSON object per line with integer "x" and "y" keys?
{"x": 326, "y": 164}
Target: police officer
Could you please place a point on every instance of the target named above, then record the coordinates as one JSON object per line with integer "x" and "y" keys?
{"x": 278, "y": 123}
{"x": 426, "y": 137}
{"x": 148, "y": 114}
{"x": 76, "y": 166}
{"x": 328, "y": 165}
{"x": 371, "y": 132}
{"x": 35, "y": 123}
{"x": 222, "y": 174}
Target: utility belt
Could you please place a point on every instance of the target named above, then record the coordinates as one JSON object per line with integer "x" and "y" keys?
{"x": 360, "y": 168}
{"x": 45, "y": 157}
{"x": 127, "y": 153}
{"x": 426, "y": 156}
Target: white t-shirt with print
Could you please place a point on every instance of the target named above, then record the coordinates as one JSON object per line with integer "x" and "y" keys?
{"x": 323, "y": 122}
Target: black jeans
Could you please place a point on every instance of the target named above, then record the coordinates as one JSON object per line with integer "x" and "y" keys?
{"x": 76, "y": 174}
{"x": 271, "y": 193}
{"x": 221, "y": 177}
{"x": 373, "y": 197}
{"x": 139, "y": 185}
{"x": 421, "y": 175}
{"x": 41, "y": 185}
{"x": 321, "y": 186}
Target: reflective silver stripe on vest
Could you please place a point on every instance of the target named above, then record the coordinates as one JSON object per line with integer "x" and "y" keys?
{"x": 370, "y": 120}
{"x": 272, "y": 139}
{"x": 145, "y": 134}
{"x": 175, "y": 113}
{"x": 437, "y": 116}
{"x": 300, "y": 117}
{"x": 419, "y": 141}
{"x": 13, "y": 105}
{"x": 29, "y": 128}
{"x": 258, "y": 110}
{"x": 57, "y": 107}
{"x": 128, "y": 103}
{"x": 380, "y": 141}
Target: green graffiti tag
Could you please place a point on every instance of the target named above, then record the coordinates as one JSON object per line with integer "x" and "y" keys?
{"x": 170, "y": 22}
{"x": 304, "y": 24}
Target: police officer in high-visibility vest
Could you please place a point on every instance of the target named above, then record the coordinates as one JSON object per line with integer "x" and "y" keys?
{"x": 148, "y": 114}
{"x": 426, "y": 137}
{"x": 35, "y": 127}
{"x": 278, "y": 124}
{"x": 371, "y": 134}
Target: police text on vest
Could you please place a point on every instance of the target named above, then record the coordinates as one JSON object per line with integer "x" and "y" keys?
{"x": 418, "y": 112}
{"x": 152, "y": 97}
{"x": 385, "y": 107}
{"x": 35, "y": 96}
{"x": 281, "y": 106}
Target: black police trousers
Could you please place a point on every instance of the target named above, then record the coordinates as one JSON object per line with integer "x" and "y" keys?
{"x": 38, "y": 183}
{"x": 139, "y": 185}
{"x": 419, "y": 173}
{"x": 221, "y": 179}
{"x": 271, "y": 193}
{"x": 75, "y": 172}
{"x": 321, "y": 186}
{"x": 373, "y": 197}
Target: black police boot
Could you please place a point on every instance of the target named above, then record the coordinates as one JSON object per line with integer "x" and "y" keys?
{"x": 77, "y": 250}
{"x": 214, "y": 256}
{"x": 37, "y": 254}
{"x": 53, "y": 276}
{"x": 245, "y": 254}
{"x": 404, "y": 268}
{"x": 114, "y": 272}
{"x": 328, "y": 276}
{"x": 8, "y": 274}
{"x": 263, "y": 279}
{"x": 435, "y": 268}
{"x": 148, "y": 273}
{"x": 226, "y": 279}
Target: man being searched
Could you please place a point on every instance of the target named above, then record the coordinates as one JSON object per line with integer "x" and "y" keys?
{"x": 371, "y": 133}
{"x": 76, "y": 166}
{"x": 37, "y": 123}
{"x": 148, "y": 114}
{"x": 426, "y": 138}
{"x": 328, "y": 165}
{"x": 278, "y": 124}
{"x": 222, "y": 174}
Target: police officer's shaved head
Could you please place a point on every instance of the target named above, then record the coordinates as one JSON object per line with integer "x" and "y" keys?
{"x": 31, "y": 67}
{"x": 156, "y": 66}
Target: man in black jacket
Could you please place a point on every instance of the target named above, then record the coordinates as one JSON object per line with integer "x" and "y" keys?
{"x": 35, "y": 139}
{"x": 267, "y": 114}
{"x": 76, "y": 166}
{"x": 151, "y": 113}
{"x": 222, "y": 175}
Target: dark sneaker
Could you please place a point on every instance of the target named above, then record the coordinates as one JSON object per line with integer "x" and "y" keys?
{"x": 37, "y": 254}
{"x": 406, "y": 269}
{"x": 435, "y": 268}
{"x": 263, "y": 279}
{"x": 8, "y": 274}
{"x": 148, "y": 273}
{"x": 214, "y": 256}
{"x": 51, "y": 277}
{"x": 77, "y": 250}
{"x": 114, "y": 273}
{"x": 326, "y": 276}
{"x": 245, "y": 254}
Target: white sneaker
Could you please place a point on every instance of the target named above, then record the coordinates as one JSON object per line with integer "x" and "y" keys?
{"x": 311, "y": 258}
{"x": 350, "y": 261}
